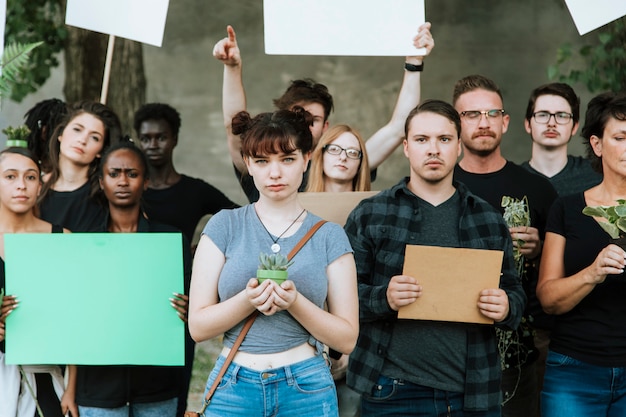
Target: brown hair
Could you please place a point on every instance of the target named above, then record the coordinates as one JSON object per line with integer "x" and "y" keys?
{"x": 474, "y": 82}
{"x": 112, "y": 134}
{"x": 271, "y": 133}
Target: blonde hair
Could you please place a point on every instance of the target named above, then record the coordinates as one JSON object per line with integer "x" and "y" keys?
{"x": 360, "y": 182}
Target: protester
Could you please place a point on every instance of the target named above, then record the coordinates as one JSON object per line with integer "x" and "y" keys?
{"x": 279, "y": 368}
{"x": 552, "y": 120}
{"x": 20, "y": 184}
{"x": 172, "y": 198}
{"x": 122, "y": 390}
{"x": 315, "y": 98}
{"x": 339, "y": 162}
{"x": 485, "y": 171}
{"x": 455, "y": 367}
{"x": 70, "y": 194}
{"x": 582, "y": 281}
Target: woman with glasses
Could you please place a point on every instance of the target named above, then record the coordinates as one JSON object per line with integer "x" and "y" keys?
{"x": 581, "y": 281}
{"x": 339, "y": 162}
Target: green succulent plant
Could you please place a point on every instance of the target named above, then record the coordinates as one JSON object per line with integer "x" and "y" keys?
{"x": 615, "y": 225}
{"x": 274, "y": 262}
{"x": 17, "y": 136}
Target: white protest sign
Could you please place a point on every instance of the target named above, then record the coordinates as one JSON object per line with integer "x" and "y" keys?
{"x": 138, "y": 20}
{"x": 342, "y": 27}
{"x": 589, "y": 15}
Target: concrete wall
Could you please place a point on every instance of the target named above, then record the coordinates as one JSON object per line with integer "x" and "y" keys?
{"x": 512, "y": 42}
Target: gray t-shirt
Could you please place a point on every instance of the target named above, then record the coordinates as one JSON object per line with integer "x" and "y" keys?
{"x": 431, "y": 353}
{"x": 241, "y": 237}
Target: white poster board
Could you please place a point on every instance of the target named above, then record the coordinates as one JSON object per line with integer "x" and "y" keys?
{"x": 589, "y": 15}
{"x": 137, "y": 20}
{"x": 342, "y": 27}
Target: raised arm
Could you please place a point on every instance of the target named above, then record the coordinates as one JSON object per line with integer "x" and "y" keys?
{"x": 389, "y": 137}
{"x": 233, "y": 93}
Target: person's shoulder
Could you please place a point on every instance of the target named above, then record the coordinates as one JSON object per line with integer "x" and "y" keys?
{"x": 517, "y": 171}
{"x": 579, "y": 162}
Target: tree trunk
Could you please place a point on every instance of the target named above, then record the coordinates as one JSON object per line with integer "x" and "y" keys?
{"x": 85, "y": 54}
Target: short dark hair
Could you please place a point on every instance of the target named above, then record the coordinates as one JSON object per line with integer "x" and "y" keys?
{"x": 600, "y": 109}
{"x": 305, "y": 90}
{"x": 555, "y": 89}
{"x": 439, "y": 107}
{"x": 474, "y": 82}
{"x": 18, "y": 150}
{"x": 124, "y": 145}
{"x": 270, "y": 133}
{"x": 157, "y": 111}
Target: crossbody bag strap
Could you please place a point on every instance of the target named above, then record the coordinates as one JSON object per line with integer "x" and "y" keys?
{"x": 250, "y": 321}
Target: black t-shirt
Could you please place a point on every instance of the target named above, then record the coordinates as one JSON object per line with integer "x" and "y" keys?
{"x": 514, "y": 181}
{"x": 74, "y": 210}
{"x": 183, "y": 204}
{"x": 594, "y": 331}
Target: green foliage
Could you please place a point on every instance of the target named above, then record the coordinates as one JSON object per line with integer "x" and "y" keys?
{"x": 29, "y": 22}
{"x": 16, "y": 133}
{"x": 516, "y": 213}
{"x": 14, "y": 62}
{"x": 615, "y": 216}
{"x": 274, "y": 262}
{"x": 604, "y": 61}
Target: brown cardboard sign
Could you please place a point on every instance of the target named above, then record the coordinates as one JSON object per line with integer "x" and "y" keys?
{"x": 334, "y": 207}
{"x": 452, "y": 279}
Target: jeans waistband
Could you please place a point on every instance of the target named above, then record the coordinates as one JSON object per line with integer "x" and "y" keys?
{"x": 314, "y": 364}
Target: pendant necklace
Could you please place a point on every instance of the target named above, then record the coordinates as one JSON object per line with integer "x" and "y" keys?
{"x": 275, "y": 246}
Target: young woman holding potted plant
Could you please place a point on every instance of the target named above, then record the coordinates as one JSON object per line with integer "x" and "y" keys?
{"x": 581, "y": 281}
{"x": 279, "y": 368}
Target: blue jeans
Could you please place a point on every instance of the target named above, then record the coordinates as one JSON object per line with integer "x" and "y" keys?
{"x": 399, "y": 398}
{"x": 572, "y": 388}
{"x": 304, "y": 389}
{"x": 165, "y": 408}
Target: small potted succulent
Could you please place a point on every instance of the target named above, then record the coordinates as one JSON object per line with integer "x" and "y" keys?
{"x": 615, "y": 224}
{"x": 273, "y": 267}
{"x": 17, "y": 136}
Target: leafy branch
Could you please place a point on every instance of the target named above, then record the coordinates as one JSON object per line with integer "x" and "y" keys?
{"x": 14, "y": 60}
{"x": 604, "y": 61}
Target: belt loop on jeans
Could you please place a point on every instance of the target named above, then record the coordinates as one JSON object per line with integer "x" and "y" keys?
{"x": 234, "y": 372}
{"x": 289, "y": 375}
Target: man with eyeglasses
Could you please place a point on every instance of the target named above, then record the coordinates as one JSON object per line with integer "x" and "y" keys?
{"x": 489, "y": 175}
{"x": 551, "y": 120}
{"x": 317, "y": 100}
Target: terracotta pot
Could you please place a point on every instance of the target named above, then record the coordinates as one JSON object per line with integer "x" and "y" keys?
{"x": 277, "y": 276}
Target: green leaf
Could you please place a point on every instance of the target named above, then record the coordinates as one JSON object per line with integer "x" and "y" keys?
{"x": 620, "y": 210}
{"x": 14, "y": 60}
{"x": 595, "y": 212}
{"x": 611, "y": 229}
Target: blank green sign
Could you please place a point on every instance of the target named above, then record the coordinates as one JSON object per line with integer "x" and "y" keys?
{"x": 94, "y": 298}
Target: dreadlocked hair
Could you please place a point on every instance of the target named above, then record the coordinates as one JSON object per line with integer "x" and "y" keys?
{"x": 41, "y": 119}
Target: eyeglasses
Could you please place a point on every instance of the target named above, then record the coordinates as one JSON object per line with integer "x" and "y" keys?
{"x": 473, "y": 116}
{"x": 336, "y": 150}
{"x": 560, "y": 117}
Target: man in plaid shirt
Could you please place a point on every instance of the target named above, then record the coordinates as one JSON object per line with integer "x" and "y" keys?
{"x": 418, "y": 367}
